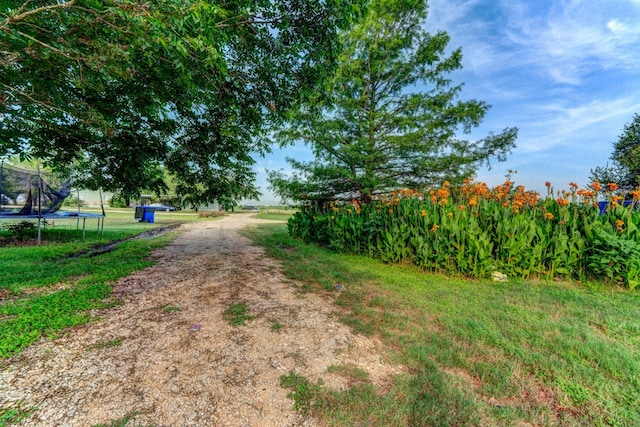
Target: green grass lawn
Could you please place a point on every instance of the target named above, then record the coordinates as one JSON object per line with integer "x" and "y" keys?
{"x": 476, "y": 352}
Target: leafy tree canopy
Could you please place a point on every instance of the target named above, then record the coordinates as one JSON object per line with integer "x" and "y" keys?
{"x": 625, "y": 168}
{"x": 389, "y": 116}
{"x": 118, "y": 90}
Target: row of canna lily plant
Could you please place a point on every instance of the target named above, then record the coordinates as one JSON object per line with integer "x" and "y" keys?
{"x": 475, "y": 231}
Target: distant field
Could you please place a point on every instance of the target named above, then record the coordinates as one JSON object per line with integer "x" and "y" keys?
{"x": 276, "y": 214}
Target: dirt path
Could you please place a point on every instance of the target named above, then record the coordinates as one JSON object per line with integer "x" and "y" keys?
{"x": 173, "y": 375}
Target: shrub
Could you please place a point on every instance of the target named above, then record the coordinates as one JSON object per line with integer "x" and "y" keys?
{"x": 210, "y": 214}
{"x": 21, "y": 231}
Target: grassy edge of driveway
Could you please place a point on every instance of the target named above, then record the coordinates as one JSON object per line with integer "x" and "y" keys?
{"x": 476, "y": 352}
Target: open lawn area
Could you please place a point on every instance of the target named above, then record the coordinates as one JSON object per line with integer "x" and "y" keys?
{"x": 475, "y": 352}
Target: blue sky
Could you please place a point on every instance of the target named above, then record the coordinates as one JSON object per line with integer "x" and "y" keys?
{"x": 565, "y": 72}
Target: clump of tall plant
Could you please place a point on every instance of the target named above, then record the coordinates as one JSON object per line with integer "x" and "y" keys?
{"x": 475, "y": 230}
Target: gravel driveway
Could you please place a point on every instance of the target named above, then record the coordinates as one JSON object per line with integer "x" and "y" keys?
{"x": 168, "y": 355}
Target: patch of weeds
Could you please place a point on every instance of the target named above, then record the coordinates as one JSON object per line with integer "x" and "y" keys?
{"x": 110, "y": 302}
{"x": 104, "y": 344}
{"x": 237, "y": 315}
{"x": 358, "y": 326}
{"x": 303, "y": 392}
{"x": 211, "y": 214}
{"x": 13, "y": 415}
{"x": 350, "y": 372}
{"x": 285, "y": 247}
{"x": 435, "y": 401}
{"x": 21, "y": 231}
{"x": 168, "y": 308}
{"x": 305, "y": 288}
{"x": 120, "y": 422}
{"x": 496, "y": 379}
{"x": 277, "y": 327}
{"x": 578, "y": 394}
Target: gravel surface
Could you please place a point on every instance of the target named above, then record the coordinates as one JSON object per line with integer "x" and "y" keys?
{"x": 175, "y": 361}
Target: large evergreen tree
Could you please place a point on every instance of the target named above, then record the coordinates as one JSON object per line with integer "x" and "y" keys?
{"x": 125, "y": 90}
{"x": 389, "y": 116}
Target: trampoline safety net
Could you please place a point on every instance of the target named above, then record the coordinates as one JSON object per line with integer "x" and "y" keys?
{"x": 27, "y": 193}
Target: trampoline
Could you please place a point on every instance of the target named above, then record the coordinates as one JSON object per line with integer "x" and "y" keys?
{"x": 26, "y": 195}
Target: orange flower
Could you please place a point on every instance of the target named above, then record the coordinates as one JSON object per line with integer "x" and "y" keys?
{"x": 612, "y": 186}
{"x": 473, "y": 201}
{"x": 548, "y": 215}
{"x": 596, "y": 186}
{"x": 548, "y": 184}
{"x": 585, "y": 193}
{"x": 443, "y": 193}
{"x": 573, "y": 185}
{"x": 391, "y": 211}
{"x": 435, "y": 228}
{"x": 563, "y": 202}
{"x": 619, "y": 225}
{"x": 424, "y": 213}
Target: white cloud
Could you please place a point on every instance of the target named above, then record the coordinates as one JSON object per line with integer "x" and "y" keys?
{"x": 617, "y": 26}
{"x": 575, "y": 38}
{"x": 444, "y": 14}
{"x": 563, "y": 41}
{"x": 557, "y": 124}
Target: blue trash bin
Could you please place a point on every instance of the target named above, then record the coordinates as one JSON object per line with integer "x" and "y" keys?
{"x": 145, "y": 214}
{"x": 604, "y": 205}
